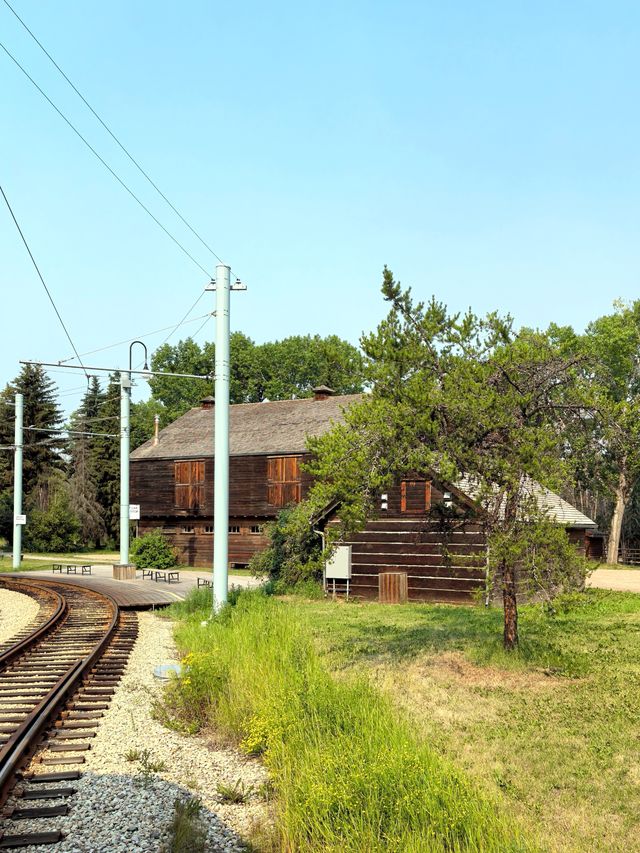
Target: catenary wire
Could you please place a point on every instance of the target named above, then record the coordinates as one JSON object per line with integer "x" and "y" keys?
{"x": 44, "y": 284}
{"x": 112, "y": 134}
{"x": 128, "y": 340}
{"x": 104, "y": 162}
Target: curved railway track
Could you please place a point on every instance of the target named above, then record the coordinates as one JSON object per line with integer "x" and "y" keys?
{"x": 56, "y": 678}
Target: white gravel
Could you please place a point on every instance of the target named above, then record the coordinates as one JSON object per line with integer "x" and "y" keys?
{"x": 17, "y": 611}
{"x": 116, "y": 809}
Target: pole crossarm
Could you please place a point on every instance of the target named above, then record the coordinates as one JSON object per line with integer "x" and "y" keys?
{"x": 207, "y": 376}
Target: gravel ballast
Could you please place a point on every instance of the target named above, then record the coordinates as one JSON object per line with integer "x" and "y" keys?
{"x": 17, "y": 611}
{"x": 118, "y": 808}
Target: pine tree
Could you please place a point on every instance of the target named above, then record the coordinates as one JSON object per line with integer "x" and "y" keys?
{"x": 83, "y": 492}
{"x": 43, "y": 447}
{"x": 105, "y": 458}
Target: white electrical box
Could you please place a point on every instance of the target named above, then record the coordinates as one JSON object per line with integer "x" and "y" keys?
{"x": 338, "y": 566}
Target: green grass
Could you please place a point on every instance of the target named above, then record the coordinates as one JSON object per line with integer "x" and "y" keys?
{"x": 349, "y": 772}
{"x": 26, "y": 565}
{"x": 552, "y": 731}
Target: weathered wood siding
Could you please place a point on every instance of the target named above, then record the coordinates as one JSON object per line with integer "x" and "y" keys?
{"x": 195, "y": 548}
{"x": 153, "y": 486}
{"x": 172, "y": 501}
{"x": 441, "y": 564}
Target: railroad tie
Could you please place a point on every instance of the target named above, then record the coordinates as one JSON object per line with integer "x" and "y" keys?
{"x": 7, "y": 842}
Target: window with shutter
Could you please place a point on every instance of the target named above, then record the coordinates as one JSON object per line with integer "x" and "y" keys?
{"x": 284, "y": 484}
{"x": 415, "y": 496}
{"x": 189, "y": 484}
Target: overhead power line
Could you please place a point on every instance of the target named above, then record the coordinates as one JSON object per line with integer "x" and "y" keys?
{"x": 112, "y": 134}
{"x": 37, "y": 269}
{"x": 137, "y": 337}
{"x": 104, "y": 163}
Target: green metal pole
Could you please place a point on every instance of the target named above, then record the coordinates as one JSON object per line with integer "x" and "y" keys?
{"x": 125, "y": 408}
{"x": 17, "y": 481}
{"x": 221, "y": 448}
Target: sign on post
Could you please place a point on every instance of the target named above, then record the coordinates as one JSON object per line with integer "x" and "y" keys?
{"x": 19, "y": 519}
{"x": 134, "y": 512}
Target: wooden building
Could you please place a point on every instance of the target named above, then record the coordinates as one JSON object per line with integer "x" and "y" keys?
{"x": 172, "y": 474}
{"x": 431, "y": 533}
{"x": 427, "y": 530}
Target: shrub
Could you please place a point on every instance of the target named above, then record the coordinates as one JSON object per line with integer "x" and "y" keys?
{"x": 294, "y": 553}
{"x": 55, "y": 528}
{"x": 152, "y": 551}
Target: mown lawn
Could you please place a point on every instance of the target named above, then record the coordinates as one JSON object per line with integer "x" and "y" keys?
{"x": 553, "y": 732}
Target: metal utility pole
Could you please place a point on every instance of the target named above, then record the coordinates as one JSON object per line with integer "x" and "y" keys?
{"x": 17, "y": 483}
{"x": 220, "y": 584}
{"x": 125, "y": 443}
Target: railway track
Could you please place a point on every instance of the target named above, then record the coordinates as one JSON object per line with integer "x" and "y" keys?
{"x": 56, "y": 679}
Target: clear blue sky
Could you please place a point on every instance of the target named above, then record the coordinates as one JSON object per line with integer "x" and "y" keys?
{"x": 488, "y": 153}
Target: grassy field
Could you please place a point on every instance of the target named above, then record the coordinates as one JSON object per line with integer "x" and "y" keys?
{"x": 349, "y": 773}
{"x": 553, "y": 732}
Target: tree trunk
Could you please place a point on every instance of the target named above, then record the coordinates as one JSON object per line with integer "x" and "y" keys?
{"x": 510, "y": 604}
{"x": 616, "y": 521}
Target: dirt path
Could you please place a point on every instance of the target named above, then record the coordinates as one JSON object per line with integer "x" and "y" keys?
{"x": 624, "y": 580}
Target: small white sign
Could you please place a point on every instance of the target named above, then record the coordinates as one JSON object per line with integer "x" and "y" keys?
{"x": 134, "y": 512}
{"x": 19, "y": 519}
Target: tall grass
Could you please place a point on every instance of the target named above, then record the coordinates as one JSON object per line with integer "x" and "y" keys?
{"x": 349, "y": 774}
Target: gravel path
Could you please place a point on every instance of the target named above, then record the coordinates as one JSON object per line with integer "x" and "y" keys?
{"x": 16, "y": 612}
{"x": 116, "y": 808}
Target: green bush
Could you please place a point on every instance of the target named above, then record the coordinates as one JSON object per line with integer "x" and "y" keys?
{"x": 152, "y": 551}
{"x": 348, "y": 771}
{"x": 294, "y": 553}
{"x": 55, "y": 529}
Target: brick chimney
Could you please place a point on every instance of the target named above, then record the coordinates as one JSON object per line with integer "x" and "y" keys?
{"x": 322, "y": 392}
{"x": 208, "y": 402}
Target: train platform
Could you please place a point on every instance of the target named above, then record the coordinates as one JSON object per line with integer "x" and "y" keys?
{"x": 138, "y": 594}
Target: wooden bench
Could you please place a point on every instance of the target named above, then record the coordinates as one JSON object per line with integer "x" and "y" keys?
{"x": 167, "y": 577}
{"x": 148, "y": 573}
{"x": 203, "y": 582}
{"x": 9, "y": 555}
{"x": 71, "y": 568}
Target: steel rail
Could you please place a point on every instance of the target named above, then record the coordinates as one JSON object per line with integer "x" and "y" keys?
{"x": 14, "y": 651}
{"x": 25, "y": 739}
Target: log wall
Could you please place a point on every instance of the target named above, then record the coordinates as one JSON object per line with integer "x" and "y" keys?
{"x": 442, "y": 563}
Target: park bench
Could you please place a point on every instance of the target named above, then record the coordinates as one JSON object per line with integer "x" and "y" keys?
{"x": 168, "y": 577}
{"x": 203, "y": 582}
{"x": 71, "y": 568}
{"x": 148, "y": 573}
{"x": 9, "y": 555}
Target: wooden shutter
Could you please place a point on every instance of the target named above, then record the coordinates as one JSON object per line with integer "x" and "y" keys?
{"x": 415, "y": 496}
{"x": 189, "y": 484}
{"x": 283, "y": 480}
{"x": 181, "y": 472}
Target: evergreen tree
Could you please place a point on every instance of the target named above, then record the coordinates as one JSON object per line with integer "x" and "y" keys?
{"x": 44, "y": 448}
{"x": 105, "y": 458}
{"x": 83, "y": 495}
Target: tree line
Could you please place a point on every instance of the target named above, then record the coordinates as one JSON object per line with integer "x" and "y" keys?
{"x": 71, "y": 469}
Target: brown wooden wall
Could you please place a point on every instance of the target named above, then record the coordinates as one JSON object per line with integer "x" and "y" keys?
{"x": 153, "y": 487}
{"x": 196, "y": 548}
{"x": 441, "y": 565}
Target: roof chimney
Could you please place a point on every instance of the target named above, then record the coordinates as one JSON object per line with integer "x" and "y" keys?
{"x": 208, "y": 402}
{"x": 156, "y": 429}
{"x": 322, "y": 392}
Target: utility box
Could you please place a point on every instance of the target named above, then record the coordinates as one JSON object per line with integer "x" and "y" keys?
{"x": 338, "y": 566}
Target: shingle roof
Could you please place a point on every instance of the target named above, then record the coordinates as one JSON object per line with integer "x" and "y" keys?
{"x": 281, "y": 426}
{"x": 549, "y": 502}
